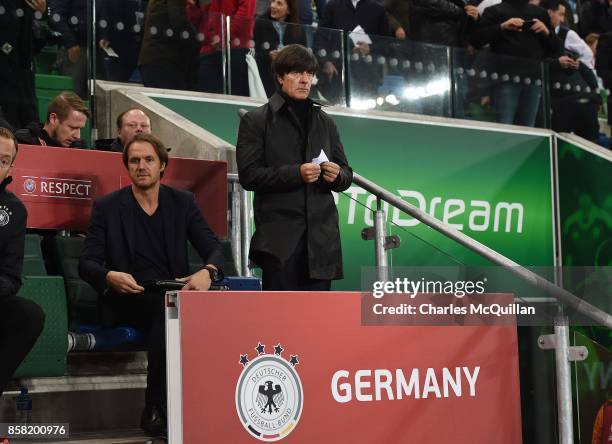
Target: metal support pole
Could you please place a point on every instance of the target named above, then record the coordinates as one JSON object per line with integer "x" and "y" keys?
{"x": 227, "y": 68}
{"x": 380, "y": 226}
{"x": 235, "y": 233}
{"x": 564, "y": 379}
{"x": 245, "y": 226}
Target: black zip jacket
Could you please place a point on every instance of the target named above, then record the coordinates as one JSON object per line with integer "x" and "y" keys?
{"x": 13, "y": 218}
{"x": 525, "y": 44}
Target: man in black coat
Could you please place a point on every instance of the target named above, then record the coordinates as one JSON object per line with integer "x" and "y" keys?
{"x": 289, "y": 152}
{"x": 22, "y": 320}
{"x": 17, "y": 95}
{"x": 137, "y": 235}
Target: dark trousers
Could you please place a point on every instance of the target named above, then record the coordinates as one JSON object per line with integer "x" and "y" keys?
{"x": 576, "y": 117}
{"x": 18, "y": 99}
{"x": 78, "y": 71}
{"x": 292, "y": 275}
{"x": 166, "y": 77}
{"x": 146, "y": 313}
{"x": 210, "y": 73}
{"x": 21, "y": 322}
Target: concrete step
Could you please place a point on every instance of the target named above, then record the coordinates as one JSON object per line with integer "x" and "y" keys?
{"x": 101, "y": 392}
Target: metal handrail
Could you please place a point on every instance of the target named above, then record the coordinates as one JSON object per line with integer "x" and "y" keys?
{"x": 559, "y": 293}
{"x": 240, "y": 232}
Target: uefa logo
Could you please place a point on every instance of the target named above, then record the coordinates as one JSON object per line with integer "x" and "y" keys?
{"x": 29, "y": 185}
{"x": 269, "y": 394}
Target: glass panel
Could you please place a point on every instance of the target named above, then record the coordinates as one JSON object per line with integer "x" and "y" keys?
{"x": 120, "y": 31}
{"x": 38, "y": 63}
{"x": 269, "y": 37}
{"x": 497, "y": 88}
{"x": 240, "y": 42}
{"x": 394, "y": 75}
{"x": 593, "y": 384}
{"x": 174, "y": 46}
{"x": 331, "y": 78}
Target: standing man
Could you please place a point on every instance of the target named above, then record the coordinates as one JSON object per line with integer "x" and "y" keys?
{"x": 21, "y": 319}
{"x": 363, "y": 77}
{"x": 289, "y": 152}
{"x": 521, "y": 30}
{"x": 70, "y": 19}
{"x": 17, "y": 93}
{"x": 139, "y": 234}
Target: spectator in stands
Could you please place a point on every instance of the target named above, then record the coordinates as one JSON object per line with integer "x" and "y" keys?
{"x": 297, "y": 240}
{"x": 569, "y": 39}
{"x": 129, "y": 123}
{"x": 592, "y": 40}
{"x": 398, "y": 13}
{"x": 22, "y": 319}
{"x": 520, "y": 29}
{"x": 169, "y": 47}
{"x": 69, "y": 18}
{"x": 280, "y": 28}
{"x": 574, "y": 109}
{"x": 307, "y": 16}
{"x": 138, "y": 235}
{"x": 441, "y": 22}
{"x": 66, "y": 116}
{"x": 596, "y": 16}
{"x": 206, "y": 17}
{"x": 123, "y": 22}
{"x": 17, "y": 96}
{"x": 347, "y": 15}
{"x": 603, "y": 65}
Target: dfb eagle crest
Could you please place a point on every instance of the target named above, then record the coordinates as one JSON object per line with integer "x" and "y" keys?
{"x": 269, "y": 394}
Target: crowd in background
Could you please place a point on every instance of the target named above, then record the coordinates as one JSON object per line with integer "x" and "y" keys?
{"x": 179, "y": 44}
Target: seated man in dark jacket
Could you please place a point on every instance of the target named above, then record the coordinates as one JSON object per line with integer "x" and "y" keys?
{"x": 522, "y": 31}
{"x": 138, "y": 235}
{"x": 129, "y": 123}
{"x": 21, "y": 319}
{"x": 66, "y": 116}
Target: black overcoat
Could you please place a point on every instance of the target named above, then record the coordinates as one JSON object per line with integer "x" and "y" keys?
{"x": 270, "y": 149}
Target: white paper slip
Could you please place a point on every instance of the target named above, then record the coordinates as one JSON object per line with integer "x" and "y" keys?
{"x": 110, "y": 52}
{"x": 320, "y": 158}
{"x": 359, "y": 35}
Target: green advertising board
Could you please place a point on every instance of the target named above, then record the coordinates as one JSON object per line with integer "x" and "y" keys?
{"x": 585, "y": 208}
{"x": 495, "y": 186}
{"x": 585, "y": 205}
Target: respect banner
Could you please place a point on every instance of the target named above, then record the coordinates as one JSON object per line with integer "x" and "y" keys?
{"x": 301, "y": 368}
{"x": 59, "y": 185}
